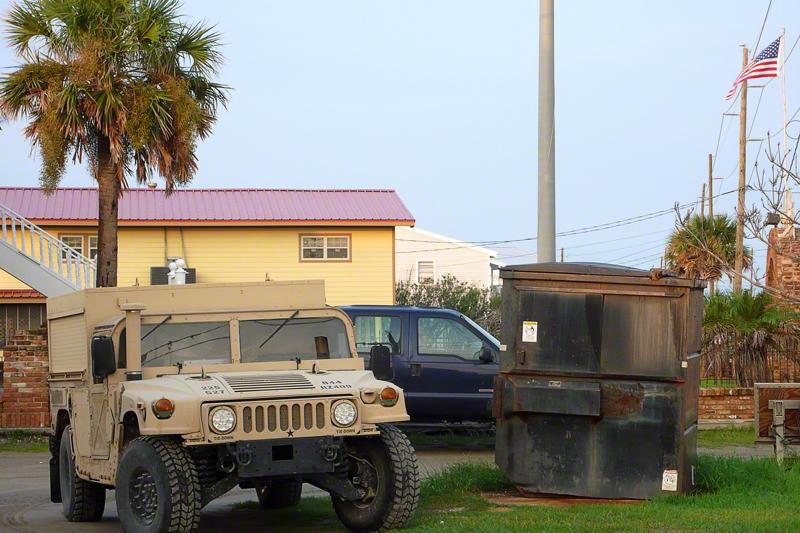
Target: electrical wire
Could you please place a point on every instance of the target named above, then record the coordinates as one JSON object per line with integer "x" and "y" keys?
{"x": 587, "y": 229}
{"x": 761, "y": 31}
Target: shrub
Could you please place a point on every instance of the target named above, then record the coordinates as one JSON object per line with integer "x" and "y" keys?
{"x": 478, "y": 303}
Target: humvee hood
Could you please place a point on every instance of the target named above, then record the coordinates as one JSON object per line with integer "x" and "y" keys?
{"x": 225, "y": 386}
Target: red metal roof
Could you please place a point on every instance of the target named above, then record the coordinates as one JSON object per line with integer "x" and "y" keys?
{"x": 20, "y": 294}
{"x": 215, "y": 205}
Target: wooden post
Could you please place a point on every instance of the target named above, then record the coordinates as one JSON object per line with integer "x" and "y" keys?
{"x": 712, "y": 284}
{"x": 739, "y": 263}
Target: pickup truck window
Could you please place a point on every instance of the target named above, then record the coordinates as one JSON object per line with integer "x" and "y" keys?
{"x": 445, "y": 336}
{"x": 378, "y": 331}
{"x": 189, "y": 343}
{"x": 286, "y": 340}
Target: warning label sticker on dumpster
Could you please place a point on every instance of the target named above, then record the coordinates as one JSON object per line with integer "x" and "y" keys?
{"x": 670, "y": 480}
{"x": 530, "y": 331}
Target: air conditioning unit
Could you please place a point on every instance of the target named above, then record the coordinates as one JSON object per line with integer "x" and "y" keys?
{"x": 158, "y": 275}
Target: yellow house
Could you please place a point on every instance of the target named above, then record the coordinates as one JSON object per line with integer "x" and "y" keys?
{"x": 345, "y": 237}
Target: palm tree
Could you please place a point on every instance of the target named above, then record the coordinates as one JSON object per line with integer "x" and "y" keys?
{"x": 704, "y": 247}
{"x": 124, "y": 83}
{"x": 740, "y": 333}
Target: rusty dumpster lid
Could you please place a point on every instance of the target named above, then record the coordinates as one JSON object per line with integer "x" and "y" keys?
{"x": 558, "y": 269}
{"x": 596, "y": 269}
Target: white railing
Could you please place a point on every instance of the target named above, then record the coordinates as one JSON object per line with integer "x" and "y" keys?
{"x": 48, "y": 251}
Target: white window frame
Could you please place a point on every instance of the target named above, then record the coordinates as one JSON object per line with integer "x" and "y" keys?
{"x": 71, "y": 236}
{"x": 433, "y": 263}
{"x": 89, "y": 246}
{"x": 325, "y": 247}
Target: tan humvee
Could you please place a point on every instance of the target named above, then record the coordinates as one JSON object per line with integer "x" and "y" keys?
{"x": 175, "y": 394}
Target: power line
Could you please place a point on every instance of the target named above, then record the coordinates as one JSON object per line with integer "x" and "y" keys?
{"x": 581, "y": 231}
{"x": 638, "y": 252}
{"x": 761, "y": 31}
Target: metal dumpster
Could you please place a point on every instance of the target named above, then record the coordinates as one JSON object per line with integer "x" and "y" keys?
{"x": 599, "y": 382}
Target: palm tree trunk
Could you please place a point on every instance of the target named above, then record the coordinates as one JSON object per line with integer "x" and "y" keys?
{"x": 108, "y": 187}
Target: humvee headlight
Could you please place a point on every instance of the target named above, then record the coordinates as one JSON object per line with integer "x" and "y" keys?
{"x": 389, "y": 397}
{"x": 344, "y": 413}
{"x": 223, "y": 419}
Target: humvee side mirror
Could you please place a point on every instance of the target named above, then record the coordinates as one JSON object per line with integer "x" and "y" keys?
{"x": 381, "y": 362}
{"x": 104, "y": 360}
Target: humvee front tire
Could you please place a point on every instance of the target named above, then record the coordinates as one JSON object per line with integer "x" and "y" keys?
{"x": 81, "y": 500}
{"x": 280, "y": 494}
{"x": 157, "y": 488}
{"x": 386, "y": 467}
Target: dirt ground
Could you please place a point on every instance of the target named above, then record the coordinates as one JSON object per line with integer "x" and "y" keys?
{"x": 25, "y": 497}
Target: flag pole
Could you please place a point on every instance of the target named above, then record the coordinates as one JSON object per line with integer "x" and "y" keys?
{"x": 788, "y": 203}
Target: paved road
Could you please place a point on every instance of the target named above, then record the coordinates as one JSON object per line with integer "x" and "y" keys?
{"x": 25, "y": 497}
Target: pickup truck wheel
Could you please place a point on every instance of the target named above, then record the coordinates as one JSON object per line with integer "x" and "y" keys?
{"x": 157, "y": 487}
{"x": 385, "y": 469}
{"x": 81, "y": 500}
{"x": 280, "y": 494}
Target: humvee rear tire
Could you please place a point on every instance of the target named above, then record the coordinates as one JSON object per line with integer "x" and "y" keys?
{"x": 81, "y": 500}
{"x": 157, "y": 487}
{"x": 280, "y": 494}
{"x": 387, "y": 467}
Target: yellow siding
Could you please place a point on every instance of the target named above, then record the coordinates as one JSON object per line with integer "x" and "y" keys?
{"x": 231, "y": 254}
{"x": 7, "y": 281}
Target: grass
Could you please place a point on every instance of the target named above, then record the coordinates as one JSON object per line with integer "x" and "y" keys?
{"x": 733, "y": 495}
{"x": 724, "y": 383}
{"x": 20, "y": 441}
{"x": 719, "y": 438}
{"x": 452, "y": 440}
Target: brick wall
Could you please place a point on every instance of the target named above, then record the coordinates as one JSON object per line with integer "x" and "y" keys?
{"x": 721, "y": 404}
{"x": 783, "y": 270}
{"x": 25, "y": 401}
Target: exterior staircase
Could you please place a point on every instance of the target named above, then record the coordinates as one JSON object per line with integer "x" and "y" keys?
{"x": 40, "y": 260}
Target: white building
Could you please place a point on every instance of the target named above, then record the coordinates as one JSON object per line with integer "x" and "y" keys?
{"x": 422, "y": 256}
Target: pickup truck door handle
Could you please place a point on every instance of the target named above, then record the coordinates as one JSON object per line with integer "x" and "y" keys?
{"x": 415, "y": 369}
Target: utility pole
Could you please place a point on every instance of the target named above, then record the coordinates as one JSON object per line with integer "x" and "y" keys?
{"x": 546, "y": 214}
{"x": 710, "y": 186}
{"x": 711, "y": 283}
{"x": 562, "y": 254}
{"x": 703, "y": 202}
{"x": 739, "y": 263}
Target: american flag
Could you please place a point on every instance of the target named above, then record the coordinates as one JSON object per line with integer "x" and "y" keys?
{"x": 765, "y": 65}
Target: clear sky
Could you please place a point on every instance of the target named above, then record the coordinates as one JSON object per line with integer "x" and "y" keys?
{"x": 437, "y": 99}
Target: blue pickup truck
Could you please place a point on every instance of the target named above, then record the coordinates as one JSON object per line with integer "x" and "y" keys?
{"x": 444, "y": 361}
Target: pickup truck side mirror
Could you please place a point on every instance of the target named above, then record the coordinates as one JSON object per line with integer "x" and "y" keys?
{"x": 486, "y": 355}
{"x": 381, "y": 362}
{"x": 104, "y": 360}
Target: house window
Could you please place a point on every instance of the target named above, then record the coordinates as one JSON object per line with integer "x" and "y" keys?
{"x": 73, "y": 241}
{"x": 426, "y": 271}
{"x": 93, "y": 247}
{"x": 325, "y": 247}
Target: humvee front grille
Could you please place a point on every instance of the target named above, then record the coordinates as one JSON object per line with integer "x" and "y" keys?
{"x": 281, "y": 417}
{"x": 267, "y": 382}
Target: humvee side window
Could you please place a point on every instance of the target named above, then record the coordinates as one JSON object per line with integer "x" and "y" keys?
{"x": 188, "y": 343}
{"x": 286, "y": 340}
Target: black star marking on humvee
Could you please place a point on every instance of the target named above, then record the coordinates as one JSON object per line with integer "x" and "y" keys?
{"x": 290, "y": 433}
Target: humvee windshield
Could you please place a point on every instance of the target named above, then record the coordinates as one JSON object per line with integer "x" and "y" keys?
{"x": 189, "y": 343}
{"x": 281, "y": 340}
{"x": 208, "y": 343}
